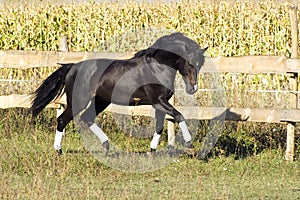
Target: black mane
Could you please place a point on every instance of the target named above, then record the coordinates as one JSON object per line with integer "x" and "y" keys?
{"x": 175, "y": 43}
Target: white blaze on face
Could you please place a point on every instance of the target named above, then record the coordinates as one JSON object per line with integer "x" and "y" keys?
{"x": 195, "y": 87}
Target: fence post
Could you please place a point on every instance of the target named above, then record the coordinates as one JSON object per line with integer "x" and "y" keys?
{"x": 63, "y": 46}
{"x": 289, "y": 154}
{"x": 171, "y": 126}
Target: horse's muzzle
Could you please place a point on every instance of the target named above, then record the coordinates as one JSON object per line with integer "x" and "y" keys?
{"x": 191, "y": 89}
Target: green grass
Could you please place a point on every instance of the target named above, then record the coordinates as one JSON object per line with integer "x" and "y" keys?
{"x": 30, "y": 169}
{"x": 37, "y": 173}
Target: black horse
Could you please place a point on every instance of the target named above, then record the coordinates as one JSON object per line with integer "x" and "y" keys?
{"x": 145, "y": 79}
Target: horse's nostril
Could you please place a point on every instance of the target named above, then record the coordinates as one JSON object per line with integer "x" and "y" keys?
{"x": 192, "y": 89}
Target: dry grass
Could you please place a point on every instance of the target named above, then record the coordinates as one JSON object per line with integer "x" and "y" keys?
{"x": 30, "y": 169}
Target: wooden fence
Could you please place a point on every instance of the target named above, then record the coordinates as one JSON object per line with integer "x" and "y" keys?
{"x": 245, "y": 64}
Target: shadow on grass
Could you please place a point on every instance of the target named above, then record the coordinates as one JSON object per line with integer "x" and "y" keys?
{"x": 240, "y": 138}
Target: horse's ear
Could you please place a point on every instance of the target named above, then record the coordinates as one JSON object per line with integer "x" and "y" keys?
{"x": 202, "y": 51}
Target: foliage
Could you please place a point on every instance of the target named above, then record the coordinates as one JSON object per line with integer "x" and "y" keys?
{"x": 228, "y": 28}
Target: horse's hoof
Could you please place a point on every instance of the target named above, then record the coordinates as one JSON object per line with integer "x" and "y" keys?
{"x": 189, "y": 145}
{"x": 171, "y": 150}
{"x": 59, "y": 152}
{"x": 204, "y": 156}
{"x": 204, "y": 159}
{"x": 152, "y": 152}
{"x": 189, "y": 148}
{"x": 106, "y": 147}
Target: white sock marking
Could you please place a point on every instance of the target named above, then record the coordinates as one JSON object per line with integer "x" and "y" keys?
{"x": 99, "y": 133}
{"x": 185, "y": 131}
{"x": 58, "y": 140}
{"x": 155, "y": 141}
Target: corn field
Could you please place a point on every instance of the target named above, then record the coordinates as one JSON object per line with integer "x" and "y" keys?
{"x": 228, "y": 28}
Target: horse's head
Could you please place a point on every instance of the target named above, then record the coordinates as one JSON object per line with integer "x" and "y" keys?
{"x": 186, "y": 54}
{"x": 189, "y": 69}
{"x": 189, "y": 57}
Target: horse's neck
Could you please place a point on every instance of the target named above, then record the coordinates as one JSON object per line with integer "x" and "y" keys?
{"x": 167, "y": 58}
{"x": 165, "y": 72}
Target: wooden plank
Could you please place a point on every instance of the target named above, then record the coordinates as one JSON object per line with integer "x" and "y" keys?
{"x": 290, "y": 142}
{"x": 290, "y": 137}
{"x": 63, "y": 46}
{"x": 20, "y": 101}
{"x": 294, "y": 31}
{"x": 293, "y": 65}
{"x": 171, "y": 126}
{"x": 30, "y": 59}
{"x": 189, "y": 112}
{"x": 247, "y": 64}
{"x": 290, "y": 115}
{"x": 231, "y": 114}
{"x": 242, "y": 64}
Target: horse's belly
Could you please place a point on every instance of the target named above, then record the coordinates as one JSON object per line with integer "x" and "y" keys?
{"x": 125, "y": 98}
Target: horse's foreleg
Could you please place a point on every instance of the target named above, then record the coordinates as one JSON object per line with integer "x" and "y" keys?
{"x": 185, "y": 132}
{"x": 100, "y": 134}
{"x": 178, "y": 118}
{"x": 160, "y": 118}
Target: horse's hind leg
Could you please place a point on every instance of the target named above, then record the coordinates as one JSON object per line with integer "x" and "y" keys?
{"x": 97, "y": 106}
{"x": 160, "y": 118}
{"x": 67, "y": 116}
{"x": 62, "y": 121}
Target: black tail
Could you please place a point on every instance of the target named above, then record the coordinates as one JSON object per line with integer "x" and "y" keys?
{"x": 50, "y": 89}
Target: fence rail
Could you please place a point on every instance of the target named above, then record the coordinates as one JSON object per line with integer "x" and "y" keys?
{"x": 250, "y": 64}
{"x": 245, "y": 64}
{"x": 189, "y": 112}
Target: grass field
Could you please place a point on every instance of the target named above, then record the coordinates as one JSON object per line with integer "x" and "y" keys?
{"x": 31, "y": 169}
